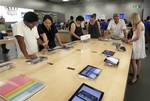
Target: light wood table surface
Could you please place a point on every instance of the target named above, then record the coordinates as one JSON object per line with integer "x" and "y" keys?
{"x": 61, "y": 83}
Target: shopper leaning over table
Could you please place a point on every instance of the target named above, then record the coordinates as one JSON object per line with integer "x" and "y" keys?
{"x": 27, "y": 36}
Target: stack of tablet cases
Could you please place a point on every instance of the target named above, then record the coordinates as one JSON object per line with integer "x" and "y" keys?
{"x": 19, "y": 88}
{"x": 108, "y": 53}
{"x": 87, "y": 93}
{"x": 36, "y": 60}
{"x": 90, "y": 72}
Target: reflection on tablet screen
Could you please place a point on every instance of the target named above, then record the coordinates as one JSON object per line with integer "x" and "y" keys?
{"x": 86, "y": 93}
{"x": 90, "y": 72}
{"x": 108, "y": 53}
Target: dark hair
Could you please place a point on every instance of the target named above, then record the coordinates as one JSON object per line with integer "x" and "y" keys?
{"x": 109, "y": 20}
{"x": 71, "y": 17}
{"x": 93, "y": 15}
{"x": 148, "y": 18}
{"x": 115, "y": 15}
{"x": 30, "y": 17}
{"x": 79, "y": 18}
{"x": 47, "y": 17}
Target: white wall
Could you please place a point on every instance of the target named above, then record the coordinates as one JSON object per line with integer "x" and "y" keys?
{"x": 103, "y": 8}
{"x": 33, "y": 4}
{"x": 14, "y": 15}
{"x": 37, "y": 5}
{"x": 99, "y": 7}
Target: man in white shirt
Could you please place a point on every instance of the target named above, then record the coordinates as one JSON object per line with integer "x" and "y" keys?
{"x": 27, "y": 36}
{"x": 117, "y": 27}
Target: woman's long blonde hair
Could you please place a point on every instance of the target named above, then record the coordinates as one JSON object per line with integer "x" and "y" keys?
{"x": 135, "y": 19}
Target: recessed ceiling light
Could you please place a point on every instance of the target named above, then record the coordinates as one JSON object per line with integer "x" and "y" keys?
{"x": 65, "y": 0}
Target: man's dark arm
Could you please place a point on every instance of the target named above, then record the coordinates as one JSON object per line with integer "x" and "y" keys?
{"x": 22, "y": 46}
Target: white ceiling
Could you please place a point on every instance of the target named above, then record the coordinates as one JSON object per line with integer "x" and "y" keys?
{"x": 83, "y": 1}
{"x": 58, "y": 1}
{"x": 61, "y": 1}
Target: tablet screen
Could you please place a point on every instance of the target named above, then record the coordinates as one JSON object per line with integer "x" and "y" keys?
{"x": 87, "y": 93}
{"x": 90, "y": 72}
{"x": 111, "y": 60}
{"x": 108, "y": 53}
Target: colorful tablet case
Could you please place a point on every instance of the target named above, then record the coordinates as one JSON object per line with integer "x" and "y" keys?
{"x": 19, "y": 88}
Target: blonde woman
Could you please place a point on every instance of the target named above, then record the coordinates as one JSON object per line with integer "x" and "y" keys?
{"x": 138, "y": 40}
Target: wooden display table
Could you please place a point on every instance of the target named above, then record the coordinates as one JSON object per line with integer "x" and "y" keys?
{"x": 61, "y": 83}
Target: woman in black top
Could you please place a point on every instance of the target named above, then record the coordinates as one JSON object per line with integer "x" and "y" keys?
{"x": 48, "y": 32}
{"x": 94, "y": 27}
{"x": 76, "y": 29}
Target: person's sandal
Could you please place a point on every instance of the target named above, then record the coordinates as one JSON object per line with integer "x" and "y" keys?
{"x": 132, "y": 82}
